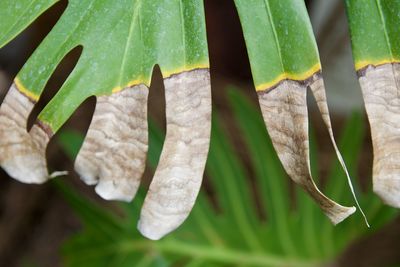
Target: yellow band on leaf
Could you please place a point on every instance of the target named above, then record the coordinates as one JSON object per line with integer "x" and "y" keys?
{"x": 377, "y": 62}
{"x": 289, "y": 76}
{"x": 166, "y": 74}
{"x": 25, "y": 91}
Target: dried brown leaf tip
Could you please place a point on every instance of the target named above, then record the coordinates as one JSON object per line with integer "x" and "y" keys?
{"x": 114, "y": 152}
{"x": 113, "y": 155}
{"x": 284, "y": 108}
{"x": 178, "y": 177}
{"x": 22, "y": 153}
{"x": 380, "y": 87}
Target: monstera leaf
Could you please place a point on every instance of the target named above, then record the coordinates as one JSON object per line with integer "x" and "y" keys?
{"x": 375, "y": 34}
{"x": 285, "y": 62}
{"x": 122, "y": 41}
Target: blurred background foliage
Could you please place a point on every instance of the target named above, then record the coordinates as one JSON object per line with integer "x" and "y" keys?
{"x": 260, "y": 224}
{"x": 249, "y": 213}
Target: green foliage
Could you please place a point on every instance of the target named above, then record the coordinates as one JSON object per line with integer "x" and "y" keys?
{"x": 17, "y": 15}
{"x": 122, "y": 41}
{"x": 231, "y": 231}
{"x": 375, "y": 31}
{"x": 280, "y": 41}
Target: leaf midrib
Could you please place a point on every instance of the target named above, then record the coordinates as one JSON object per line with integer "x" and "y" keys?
{"x": 217, "y": 254}
{"x": 382, "y": 18}
{"x": 276, "y": 38}
{"x": 135, "y": 14}
{"x": 389, "y": 44}
{"x": 183, "y": 29}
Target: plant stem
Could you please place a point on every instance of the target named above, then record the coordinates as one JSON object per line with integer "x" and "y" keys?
{"x": 223, "y": 255}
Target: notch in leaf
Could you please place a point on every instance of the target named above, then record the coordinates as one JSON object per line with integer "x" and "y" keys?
{"x": 285, "y": 62}
{"x": 122, "y": 41}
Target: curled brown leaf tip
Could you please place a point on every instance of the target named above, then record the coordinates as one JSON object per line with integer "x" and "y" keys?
{"x": 286, "y": 117}
{"x": 380, "y": 87}
{"x": 113, "y": 154}
{"x": 178, "y": 177}
{"x": 22, "y": 153}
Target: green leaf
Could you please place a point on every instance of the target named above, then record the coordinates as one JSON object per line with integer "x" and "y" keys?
{"x": 94, "y": 217}
{"x": 121, "y": 43}
{"x": 71, "y": 142}
{"x": 229, "y": 177}
{"x": 375, "y": 32}
{"x": 285, "y": 62}
{"x": 17, "y": 15}
{"x": 113, "y": 34}
{"x": 375, "y": 35}
{"x": 280, "y": 41}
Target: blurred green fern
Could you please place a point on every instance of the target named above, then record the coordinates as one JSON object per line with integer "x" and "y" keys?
{"x": 292, "y": 235}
